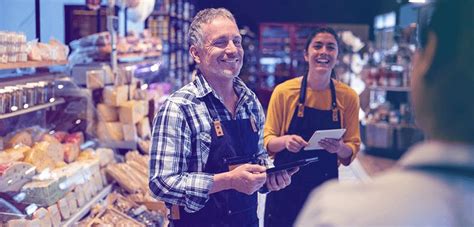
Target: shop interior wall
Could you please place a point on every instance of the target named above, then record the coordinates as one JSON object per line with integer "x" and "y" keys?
{"x": 19, "y": 16}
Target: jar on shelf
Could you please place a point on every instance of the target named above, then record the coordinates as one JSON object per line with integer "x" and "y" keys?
{"x": 32, "y": 94}
{"x": 3, "y": 48}
{"x": 23, "y": 96}
{"x": 47, "y": 91}
{"x": 15, "y": 98}
{"x": 4, "y": 101}
{"x": 51, "y": 91}
{"x": 40, "y": 93}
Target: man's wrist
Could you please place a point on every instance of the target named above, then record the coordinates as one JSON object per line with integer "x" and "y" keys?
{"x": 222, "y": 181}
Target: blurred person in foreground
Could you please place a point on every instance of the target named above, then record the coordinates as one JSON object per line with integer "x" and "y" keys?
{"x": 433, "y": 184}
{"x": 207, "y": 142}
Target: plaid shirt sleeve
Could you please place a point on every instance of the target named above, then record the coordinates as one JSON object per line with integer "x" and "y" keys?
{"x": 170, "y": 180}
{"x": 262, "y": 153}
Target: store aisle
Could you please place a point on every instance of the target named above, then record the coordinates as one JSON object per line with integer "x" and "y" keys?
{"x": 347, "y": 174}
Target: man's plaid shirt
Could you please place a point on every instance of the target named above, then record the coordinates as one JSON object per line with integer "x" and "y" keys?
{"x": 181, "y": 141}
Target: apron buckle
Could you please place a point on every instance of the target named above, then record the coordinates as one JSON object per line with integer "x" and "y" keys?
{"x": 300, "y": 110}
{"x": 218, "y": 128}
{"x": 335, "y": 114}
{"x": 174, "y": 212}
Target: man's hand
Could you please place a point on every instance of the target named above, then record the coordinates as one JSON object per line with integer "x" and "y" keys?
{"x": 247, "y": 178}
{"x": 294, "y": 143}
{"x": 280, "y": 180}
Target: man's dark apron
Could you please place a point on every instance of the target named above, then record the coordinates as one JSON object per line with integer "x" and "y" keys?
{"x": 282, "y": 207}
{"x": 230, "y": 140}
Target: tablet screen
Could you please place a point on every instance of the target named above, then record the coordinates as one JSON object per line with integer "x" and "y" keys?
{"x": 313, "y": 143}
{"x": 291, "y": 165}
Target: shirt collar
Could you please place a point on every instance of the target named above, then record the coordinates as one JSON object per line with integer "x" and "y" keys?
{"x": 436, "y": 153}
{"x": 203, "y": 87}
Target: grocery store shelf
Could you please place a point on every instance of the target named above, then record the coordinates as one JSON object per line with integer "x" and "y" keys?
{"x": 131, "y": 57}
{"x": 388, "y": 88}
{"x": 85, "y": 209}
{"x": 31, "y": 64}
{"x": 33, "y": 108}
{"x": 131, "y": 145}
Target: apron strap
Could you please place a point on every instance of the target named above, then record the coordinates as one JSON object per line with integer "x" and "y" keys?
{"x": 211, "y": 107}
{"x": 335, "y": 113}
{"x": 302, "y": 98}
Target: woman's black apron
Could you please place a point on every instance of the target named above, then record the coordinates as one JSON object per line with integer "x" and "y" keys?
{"x": 282, "y": 207}
{"x": 230, "y": 140}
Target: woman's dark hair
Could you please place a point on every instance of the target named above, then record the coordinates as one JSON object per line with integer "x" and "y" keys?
{"x": 314, "y": 33}
{"x": 447, "y": 91}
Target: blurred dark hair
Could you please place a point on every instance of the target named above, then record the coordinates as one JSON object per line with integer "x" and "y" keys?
{"x": 447, "y": 93}
{"x": 315, "y": 32}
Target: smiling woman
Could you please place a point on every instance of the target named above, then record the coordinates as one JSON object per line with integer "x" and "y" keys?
{"x": 298, "y": 108}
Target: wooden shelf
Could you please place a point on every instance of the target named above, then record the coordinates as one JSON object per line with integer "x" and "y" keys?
{"x": 86, "y": 208}
{"x": 31, "y": 64}
{"x": 133, "y": 57}
{"x": 389, "y": 88}
{"x": 142, "y": 55}
{"x": 130, "y": 145}
{"x": 33, "y": 108}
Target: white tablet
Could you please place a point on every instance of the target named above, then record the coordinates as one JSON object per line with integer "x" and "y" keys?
{"x": 313, "y": 143}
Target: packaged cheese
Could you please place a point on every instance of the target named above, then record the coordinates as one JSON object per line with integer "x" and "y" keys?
{"x": 14, "y": 175}
{"x": 109, "y": 131}
{"x": 107, "y": 113}
{"x": 132, "y": 112}
{"x": 129, "y": 132}
{"x": 143, "y": 128}
{"x": 115, "y": 96}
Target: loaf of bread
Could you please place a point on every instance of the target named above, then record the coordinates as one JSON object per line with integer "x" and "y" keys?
{"x": 22, "y": 137}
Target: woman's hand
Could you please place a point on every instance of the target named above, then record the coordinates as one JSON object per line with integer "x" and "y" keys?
{"x": 336, "y": 146}
{"x": 294, "y": 143}
{"x": 331, "y": 145}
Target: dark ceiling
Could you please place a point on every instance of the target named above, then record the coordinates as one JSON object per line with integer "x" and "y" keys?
{"x": 252, "y": 12}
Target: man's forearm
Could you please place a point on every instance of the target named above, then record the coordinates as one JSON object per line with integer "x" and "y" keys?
{"x": 221, "y": 183}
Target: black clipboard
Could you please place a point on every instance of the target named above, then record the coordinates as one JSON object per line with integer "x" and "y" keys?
{"x": 291, "y": 165}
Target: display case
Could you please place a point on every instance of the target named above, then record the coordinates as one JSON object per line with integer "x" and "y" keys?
{"x": 389, "y": 128}
{"x": 54, "y": 164}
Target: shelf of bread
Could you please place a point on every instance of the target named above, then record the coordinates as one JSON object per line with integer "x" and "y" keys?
{"x": 55, "y": 102}
{"x": 31, "y": 64}
{"x": 65, "y": 182}
{"x": 151, "y": 54}
{"x": 79, "y": 214}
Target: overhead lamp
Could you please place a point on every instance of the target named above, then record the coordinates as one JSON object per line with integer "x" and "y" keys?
{"x": 417, "y": 1}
